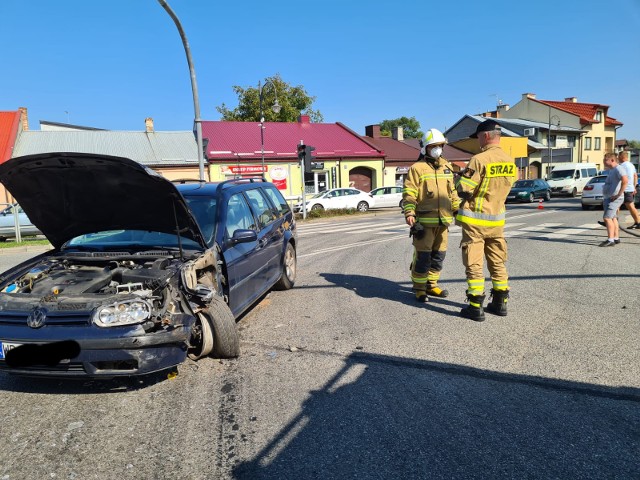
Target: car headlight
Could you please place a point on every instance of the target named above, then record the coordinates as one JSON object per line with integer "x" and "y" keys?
{"x": 523, "y": 194}
{"x": 126, "y": 312}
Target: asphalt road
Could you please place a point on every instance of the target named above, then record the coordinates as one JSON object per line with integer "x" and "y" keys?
{"x": 346, "y": 377}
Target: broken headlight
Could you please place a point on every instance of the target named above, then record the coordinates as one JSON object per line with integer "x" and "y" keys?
{"x": 127, "y": 312}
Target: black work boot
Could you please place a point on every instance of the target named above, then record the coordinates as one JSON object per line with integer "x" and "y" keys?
{"x": 474, "y": 310}
{"x": 498, "y": 305}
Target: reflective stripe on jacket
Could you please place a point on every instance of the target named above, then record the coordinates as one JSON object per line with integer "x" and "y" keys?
{"x": 429, "y": 193}
{"x": 485, "y": 184}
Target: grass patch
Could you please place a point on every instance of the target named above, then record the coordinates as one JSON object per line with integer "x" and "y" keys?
{"x": 26, "y": 242}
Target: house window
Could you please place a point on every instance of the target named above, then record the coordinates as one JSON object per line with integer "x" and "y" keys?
{"x": 596, "y": 145}
{"x": 571, "y": 140}
{"x": 553, "y": 141}
{"x": 587, "y": 143}
{"x": 598, "y": 117}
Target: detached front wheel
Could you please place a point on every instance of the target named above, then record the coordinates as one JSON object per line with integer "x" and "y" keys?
{"x": 215, "y": 332}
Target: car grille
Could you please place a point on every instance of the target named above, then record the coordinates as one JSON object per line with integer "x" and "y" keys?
{"x": 71, "y": 367}
{"x": 556, "y": 189}
{"x": 53, "y": 318}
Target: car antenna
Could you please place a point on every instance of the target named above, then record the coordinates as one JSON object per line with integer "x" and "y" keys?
{"x": 175, "y": 217}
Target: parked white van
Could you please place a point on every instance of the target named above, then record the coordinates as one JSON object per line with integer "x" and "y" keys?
{"x": 570, "y": 178}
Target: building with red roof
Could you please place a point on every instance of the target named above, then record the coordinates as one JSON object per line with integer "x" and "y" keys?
{"x": 236, "y": 149}
{"x": 598, "y": 129}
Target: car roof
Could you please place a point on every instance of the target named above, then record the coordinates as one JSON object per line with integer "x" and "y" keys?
{"x": 198, "y": 187}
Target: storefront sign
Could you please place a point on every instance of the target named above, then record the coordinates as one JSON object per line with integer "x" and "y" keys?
{"x": 242, "y": 169}
{"x": 402, "y": 170}
{"x": 278, "y": 176}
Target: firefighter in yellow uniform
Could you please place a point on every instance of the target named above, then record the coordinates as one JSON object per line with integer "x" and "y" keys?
{"x": 483, "y": 187}
{"x": 429, "y": 200}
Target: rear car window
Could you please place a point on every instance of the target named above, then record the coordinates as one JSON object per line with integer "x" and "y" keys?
{"x": 277, "y": 199}
{"x": 261, "y": 207}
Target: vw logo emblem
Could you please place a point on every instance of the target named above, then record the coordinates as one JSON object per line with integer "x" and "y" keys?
{"x": 37, "y": 317}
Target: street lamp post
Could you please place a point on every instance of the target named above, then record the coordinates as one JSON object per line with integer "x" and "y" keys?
{"x": 276, "y": 109}
{"x": 550, "y": 152}
{"x": 194, "y": 86}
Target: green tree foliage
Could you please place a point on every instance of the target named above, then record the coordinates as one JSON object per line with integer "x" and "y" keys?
{"x": 293, "y": 100}
{"x": 410, "y": 127}
{"x": 635, "y": 144}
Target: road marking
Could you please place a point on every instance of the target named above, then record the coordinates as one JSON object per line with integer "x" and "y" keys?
{"x": 532, "y": 229}
{"x": 352, "y": 228}
{"x": 350, "y": 245}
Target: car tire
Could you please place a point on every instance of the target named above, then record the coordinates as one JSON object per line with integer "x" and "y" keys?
{"x": 531, "y": 198}
{"x": 226, "y": 341}
{"x": 363, "y": 206}
{"x": 574, "y": 192}
{"x": 201, "y": 341}
{"x": 289, "y": 268}
{"x": 317, "y": 207}
{"x": 547, "y": 196}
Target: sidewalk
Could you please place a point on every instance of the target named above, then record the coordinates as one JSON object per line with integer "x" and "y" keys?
{"x": 25, "y": 248}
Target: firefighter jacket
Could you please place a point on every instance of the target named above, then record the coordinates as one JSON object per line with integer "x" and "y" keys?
{"x": 429, "y": 192}
{"x": 483, "y": 188}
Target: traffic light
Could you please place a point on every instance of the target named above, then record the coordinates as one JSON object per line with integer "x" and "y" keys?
{"x": 305, "y": 155}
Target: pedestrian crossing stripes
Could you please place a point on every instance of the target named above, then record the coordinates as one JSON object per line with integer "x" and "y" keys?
{"x": 551, "y": 231}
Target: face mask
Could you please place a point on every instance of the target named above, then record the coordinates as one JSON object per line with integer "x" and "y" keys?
{"x": 435, "y": 152}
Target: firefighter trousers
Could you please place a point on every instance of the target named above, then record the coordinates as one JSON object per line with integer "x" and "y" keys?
{"x": 474, "y": 249}
{"x": 428, "y": 256}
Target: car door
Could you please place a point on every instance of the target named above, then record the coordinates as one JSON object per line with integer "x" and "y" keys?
{"x": 333, "y": 199}
{"x": 270, "y": 237}
{"x": 242, "y": 270}
{"x": 381, "y": 197}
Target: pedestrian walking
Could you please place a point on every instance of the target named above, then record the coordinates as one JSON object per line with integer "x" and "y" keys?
{"x": 483, "y": 188}
{"x": 630, "y": 190}
{"x": 612, "y": 198}
{"x": 429, "y": 200}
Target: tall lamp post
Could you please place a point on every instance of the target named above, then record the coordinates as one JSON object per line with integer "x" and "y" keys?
{"x": 276, "y": 109}
{"x": 194, "y": 86}
{"x": 550, "y": 152}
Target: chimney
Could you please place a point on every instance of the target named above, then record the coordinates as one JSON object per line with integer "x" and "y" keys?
{"x": 397, "y": 133}
{"x": 372, "y": 131}
{"x": 304, "y": 119}
{"x": 24, "y": 118}
{"x": 529, "y": 95}
{"x": 500, "y": 109}
{"x": 148, "y": 124}
{"x": 571, "y": 99}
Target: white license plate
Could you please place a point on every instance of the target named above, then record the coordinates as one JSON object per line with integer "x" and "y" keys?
{"x": 511, "y": 198}
{"x": 5, "y": 347}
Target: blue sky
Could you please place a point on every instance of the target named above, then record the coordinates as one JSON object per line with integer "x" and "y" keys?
{"x": 110, "y": 64}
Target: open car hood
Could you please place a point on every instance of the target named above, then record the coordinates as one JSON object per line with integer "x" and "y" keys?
{"x": 71, "y": 194}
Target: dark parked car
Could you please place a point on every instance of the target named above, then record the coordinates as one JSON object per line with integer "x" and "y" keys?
{"x": 529, "y": 190}
{"x": 142, "y": 273}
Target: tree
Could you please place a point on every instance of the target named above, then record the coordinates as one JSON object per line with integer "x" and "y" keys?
{"x": 293, "y": 100}
{"x": 635, "y": 144}
{"x": 410, "y": 127}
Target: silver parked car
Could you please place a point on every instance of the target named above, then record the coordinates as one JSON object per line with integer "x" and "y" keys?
{"x": 592, "y": 193}
{"x": 8, "y": 225}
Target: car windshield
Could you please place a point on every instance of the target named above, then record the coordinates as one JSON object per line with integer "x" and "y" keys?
{"x": 523, "y": 184}
{"x": 204, "y": 209}
{"x": 561, "y": 174}
{"x": 128, "y": 239}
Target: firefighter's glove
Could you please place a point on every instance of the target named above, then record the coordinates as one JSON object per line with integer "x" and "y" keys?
{"x": 417, "y": 230}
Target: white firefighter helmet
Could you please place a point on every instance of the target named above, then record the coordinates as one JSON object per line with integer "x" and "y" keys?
{"x": 432, "y": 137}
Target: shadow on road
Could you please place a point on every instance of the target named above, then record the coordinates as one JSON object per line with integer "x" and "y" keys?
{"x": 390, "y": 417}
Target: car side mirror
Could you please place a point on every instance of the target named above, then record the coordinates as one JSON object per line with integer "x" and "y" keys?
{"x": 244, "y": 236}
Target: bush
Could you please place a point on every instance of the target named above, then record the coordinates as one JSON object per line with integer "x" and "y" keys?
{"x": 334, "y": 212}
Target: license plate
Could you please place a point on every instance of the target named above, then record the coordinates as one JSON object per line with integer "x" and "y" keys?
{"x": 5, "y": 347}
{"x": 511, "y": 197}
